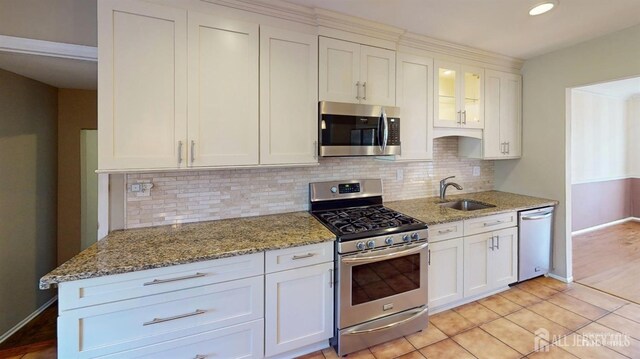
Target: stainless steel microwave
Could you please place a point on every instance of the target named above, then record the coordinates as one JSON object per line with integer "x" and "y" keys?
{"x": 347, "y": 129}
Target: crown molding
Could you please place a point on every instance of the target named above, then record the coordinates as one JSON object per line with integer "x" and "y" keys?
{"x": 48, "y": 48}
{"x": 339, "y": 21}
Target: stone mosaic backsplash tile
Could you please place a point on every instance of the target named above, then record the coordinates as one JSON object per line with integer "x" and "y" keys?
{"x": 193, "y": 196}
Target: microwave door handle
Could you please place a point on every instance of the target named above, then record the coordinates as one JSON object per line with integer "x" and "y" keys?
{"x": 386, "y": 131}
{"x": 379, "y": 133}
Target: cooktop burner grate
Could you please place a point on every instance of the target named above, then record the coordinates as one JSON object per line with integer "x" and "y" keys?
{"x": 363, "y": 219}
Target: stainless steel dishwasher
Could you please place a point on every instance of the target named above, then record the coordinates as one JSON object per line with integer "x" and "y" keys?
{"x": 535, "y": 229}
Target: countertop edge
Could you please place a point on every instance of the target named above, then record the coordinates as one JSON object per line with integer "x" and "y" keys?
{"x": 491, "y": 213}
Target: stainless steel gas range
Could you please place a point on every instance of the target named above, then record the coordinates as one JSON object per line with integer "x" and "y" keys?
{"x": 381, "y": 264}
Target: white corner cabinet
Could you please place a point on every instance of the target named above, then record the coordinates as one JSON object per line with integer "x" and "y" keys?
{"x": 459, "y": 98}
{"x": 503, "y": 119}
{"x": 205, "y": 309}
{"x": 414, "y": 96}
{"x": 181, "y": 89}
{"x": 355, "y": 73}
{"x": 471, "y": 259}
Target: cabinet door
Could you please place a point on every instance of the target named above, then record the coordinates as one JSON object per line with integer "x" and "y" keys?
{"x": 504, "y": 258}
{"x": 415, "y": 99}
{"x": 493, "y": 146}
{"x": 445, "y": 272}
{"x": 511, "y": 114}
{"x": 339, "y": 71}
{"x": 223, "y": 92}
{"x": 447, "y": 104}
{"x": 477, "y": 262}
{"x": 142, "y": 85}
{"x": 299, "y": 308}
{"x": 288, "y": 97}
{"x": 472, "y": 97}
{"x": 378, "y": 76}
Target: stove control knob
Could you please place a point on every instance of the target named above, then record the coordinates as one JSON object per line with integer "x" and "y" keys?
{"x": 334, "y": 189}
{"x": 371, "y": 244}
{"x": 360, "y": 246}
{"x": 388, "y": 241}
{"x": 414, "y": 236}
{"x": 405, "y": 238}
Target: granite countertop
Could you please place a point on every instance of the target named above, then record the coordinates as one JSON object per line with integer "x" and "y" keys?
{"x": 428, "y": 210}
{"x": 132, "y": 250}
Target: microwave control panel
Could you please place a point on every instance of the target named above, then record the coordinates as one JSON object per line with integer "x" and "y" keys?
{"x": 394, "y": 132}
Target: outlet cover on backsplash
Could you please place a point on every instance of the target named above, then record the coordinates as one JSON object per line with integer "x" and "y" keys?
{"x": 193, "y": 196}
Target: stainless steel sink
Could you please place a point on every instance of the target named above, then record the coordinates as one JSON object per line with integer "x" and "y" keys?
{"x": 466, "y": 205}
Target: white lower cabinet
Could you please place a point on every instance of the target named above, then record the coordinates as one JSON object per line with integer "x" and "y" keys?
{"x": 445, "y": 271}
{"x": 299, "y": 308}
{"x": 490, "y": 261}
{"x": 211, "y": 309}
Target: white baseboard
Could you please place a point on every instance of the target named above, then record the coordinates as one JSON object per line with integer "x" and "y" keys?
{"x": 605, "y": 225}
{"x": 26, "y": 320}
{"x": 562, "y": 279}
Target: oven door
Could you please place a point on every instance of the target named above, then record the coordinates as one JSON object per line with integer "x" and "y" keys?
{"x": 379, "y": 283}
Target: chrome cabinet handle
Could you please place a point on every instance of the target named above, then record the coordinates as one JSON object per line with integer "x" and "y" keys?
{"x": 303, "y": 256}
{"x": 358, "y": 90}
{"x": 364, "y": 87}
{"x": 498, "y": 242}
{"x": 193, "y": 151}
{"x": 429, "y": 257}
{"x": 160, "y": 281}
{"x": 491, "y": 246}
{"x": 179, "y": 316}
{"x": 443, "y": 231}
{"x": 315, "y": 149}
{"x": 464, "y": 116}
{"x": 508, "y": 147}
{"x": 489, "y": 224}
{"x": 460, "y": 117}
{"x": 179, "y": 151}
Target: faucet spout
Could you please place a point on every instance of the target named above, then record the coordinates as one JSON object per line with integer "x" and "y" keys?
{"x": 444, "y": 185}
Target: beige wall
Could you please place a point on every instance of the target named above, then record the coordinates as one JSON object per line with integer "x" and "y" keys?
{"x": 27, "y": 194}
{"x": 542, "y": 171}
{"x": 77, "y": 110}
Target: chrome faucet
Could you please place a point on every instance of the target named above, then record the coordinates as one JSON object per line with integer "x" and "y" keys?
{"x": 444, "y": 185}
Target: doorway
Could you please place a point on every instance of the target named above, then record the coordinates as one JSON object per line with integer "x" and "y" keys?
{"x": 88, "y": 188}
{"x": 604, "y": 186}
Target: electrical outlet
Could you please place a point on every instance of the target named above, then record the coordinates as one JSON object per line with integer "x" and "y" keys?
{"x": 399, "y": 174}
{"x": 142, "y": 188}
{"x": 136, "y": 187}
{"x": 476, "y": 171}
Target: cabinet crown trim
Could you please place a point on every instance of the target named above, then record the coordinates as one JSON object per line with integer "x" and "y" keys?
{"x": 339, "y": 21}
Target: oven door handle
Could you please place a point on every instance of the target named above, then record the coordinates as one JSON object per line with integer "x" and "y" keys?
{"x": 382, "y": 257}
{"x": 388, "y": 326}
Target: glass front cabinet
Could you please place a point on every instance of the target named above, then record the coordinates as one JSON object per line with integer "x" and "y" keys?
{"x": 460, "y": 96}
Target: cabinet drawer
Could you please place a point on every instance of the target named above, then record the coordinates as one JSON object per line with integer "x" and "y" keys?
{"x": 490, "y": 223}
{"x": 238, "y": 341}
{"x": 113, "y": 327}
{"x": 296, "y": 257}
{"x": 440, "y": 232}
{"x": 87, "y": 292}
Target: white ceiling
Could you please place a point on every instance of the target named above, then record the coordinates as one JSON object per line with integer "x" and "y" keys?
{"x": 501, "y": 26}
{"x": 54, "y": 71}
{"x": 621, "y": 88}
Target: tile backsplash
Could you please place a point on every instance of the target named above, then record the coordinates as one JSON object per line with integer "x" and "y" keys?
{"x": 193, "y": 196}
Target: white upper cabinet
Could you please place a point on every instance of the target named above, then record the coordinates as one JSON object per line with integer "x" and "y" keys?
{"x": 142, "y": 85}
{"x": 223, "y": 92}
{"x": 460, "y": 95}
{"x": 288, "y": 97}
{"x": 414, "y": 96}
{"x": 354, "y": 73}
{"x": 503, "y": 115}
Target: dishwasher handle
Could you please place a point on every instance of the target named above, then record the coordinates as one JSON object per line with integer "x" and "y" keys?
{"x": 533, "y": 218}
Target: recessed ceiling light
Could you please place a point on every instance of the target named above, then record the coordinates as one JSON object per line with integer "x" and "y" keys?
{"x": 542, "y": 8}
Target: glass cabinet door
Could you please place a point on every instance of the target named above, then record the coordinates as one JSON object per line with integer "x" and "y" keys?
{"x": 473, "y": 88}
{"x": 448, "y": 106}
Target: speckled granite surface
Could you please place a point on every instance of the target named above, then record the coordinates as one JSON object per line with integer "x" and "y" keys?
{"x": 138, "y": 249}
{"x": 428, "y": 210}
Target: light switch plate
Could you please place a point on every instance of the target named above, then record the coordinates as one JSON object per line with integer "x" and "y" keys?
{"x": 476, "y": 171}
{"x": 399, "y": 174}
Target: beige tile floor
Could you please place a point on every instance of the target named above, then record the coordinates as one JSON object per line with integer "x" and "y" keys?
{"x": 503, "y": 326}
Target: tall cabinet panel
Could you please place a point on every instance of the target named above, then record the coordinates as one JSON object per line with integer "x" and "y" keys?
{"x": 415, "y": 98}
{"x": 142, "y": 88}
{"x": 288, "y": 97}
{"x": 503, "y": 111}
{"x": 378, "y": 76}
{"x": 223, "y": 92}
